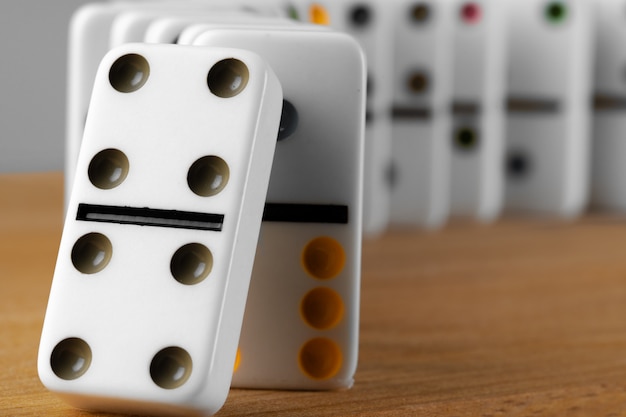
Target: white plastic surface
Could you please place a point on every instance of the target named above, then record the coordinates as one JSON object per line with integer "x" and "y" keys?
{"x": 134, "y": 307}
{"x": 549, "y": 60}
{"x": 477, "y": 183}
{"x": 323, "y": 76}
{"x": 421, "y": 176}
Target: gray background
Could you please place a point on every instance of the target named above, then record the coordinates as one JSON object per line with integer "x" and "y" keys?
{"x": 33, "y": 54}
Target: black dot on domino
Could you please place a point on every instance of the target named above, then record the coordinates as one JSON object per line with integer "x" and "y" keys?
{"x": 129, "y": 73}
{"x": 466, "y": 139}
{"x": 208, "y": 176}
{"x": 171, "y": 367}
{"x": 418, "y": 82}
{"x": 228, "y": 78}
{"x": 70, "y": 358}
{"x": 108, "y": 169}
{"x": 92, "y": 253}
{"x": 288, "y": 121}
{"x": 420, "y": 13}
{"x": 555, "y": 12}
{"x": 518, "y": 165}
{"x": 191, "y": 264}
{"x": 360, "y": 16}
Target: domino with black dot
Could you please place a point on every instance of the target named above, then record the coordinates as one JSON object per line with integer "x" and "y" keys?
{"x": 371, "y": 24}
{"x": 421, "y": 119}
{"x": 301, "y": 323}
{"x": 548, "y": 123}
{"x": 478, "y": 112}
{"x": 154, "y": 264}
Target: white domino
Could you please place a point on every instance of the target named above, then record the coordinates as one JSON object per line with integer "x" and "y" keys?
{"x": 302, "y": 317}
{"x": 608, "y": 189}
{"x": 154, "y": 264}
{"x": 422, "y": 87}
{"x": 371, "y": 24}
{"x": 548, "y": 124}
{"x": 477, "y": 137}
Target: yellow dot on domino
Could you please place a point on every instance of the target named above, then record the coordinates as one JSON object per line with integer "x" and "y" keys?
{"x": 320, "y": 358}
{"x": 319, "y": 15}
{"x": 323, "y": 258}
{"x": 322, "y": 308}
{"x": 237, "y": 360}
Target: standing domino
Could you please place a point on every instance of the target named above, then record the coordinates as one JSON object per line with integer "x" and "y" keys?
{"x": 477, "y": 183}
{"x": 150, "y": 286}
{"x": 608, "y": 188}
{"x": 301, "y": 323}
{"x": 550, "y": 45}
{"x": 421, "y": 118}
{"x": 370, "y": 23}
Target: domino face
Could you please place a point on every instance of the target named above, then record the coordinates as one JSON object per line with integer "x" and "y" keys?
{"x": 301, "y": 323}
{"x": 149, "y": 290}
{"x": 421, "y": 119}
{"x": 477, "y": 138}
{"x": 371, "y": 24}
{"x": 609, "y": 120}
{"x": 550, "y": 47}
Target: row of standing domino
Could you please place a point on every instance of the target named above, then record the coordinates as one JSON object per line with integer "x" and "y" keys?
{"x": 474, "y": 106}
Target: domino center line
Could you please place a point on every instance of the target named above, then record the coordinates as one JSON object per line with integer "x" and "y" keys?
{"x": 150, "y": 217}
{"x": 305, "y": 213}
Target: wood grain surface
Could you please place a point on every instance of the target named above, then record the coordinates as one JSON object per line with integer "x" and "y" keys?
{"x": 521, "y": 318}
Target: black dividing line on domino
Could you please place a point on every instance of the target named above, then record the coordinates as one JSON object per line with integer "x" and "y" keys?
{"x": 465, "y": 108}
{"x": 143, "y": 216}
{"x": 411, "y": 113}
{"x": 305, "y": 213}
{"x": 533, "y": 105}
{"x": 608, "y": 102}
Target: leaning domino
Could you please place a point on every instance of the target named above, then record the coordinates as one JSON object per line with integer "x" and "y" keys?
{"x": 150, "y": 286}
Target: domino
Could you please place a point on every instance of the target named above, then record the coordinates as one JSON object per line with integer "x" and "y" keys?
{"x": 422, "y": 93}
{"x": 609, "y": 118}
{"x": 371, "y": 24}
{"x": 301, "y": 323}
{"x": 548, "y": 123}
{"x": 477, "y": 139}
{"x": 154, "y": 264}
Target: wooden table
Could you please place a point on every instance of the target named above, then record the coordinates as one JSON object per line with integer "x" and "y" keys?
{"x": 522, "y": 318}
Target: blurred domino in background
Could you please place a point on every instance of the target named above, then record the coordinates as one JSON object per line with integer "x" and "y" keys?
{"x": 371, "y": 24}
{"x": 608, "y": 189}
{"x": 149, "y": 291}
{"x": 479, "y": 86}
{"x": 422, "y": 86}
{"x": 549, "y": 89}
{"x": 301, "y": 324}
